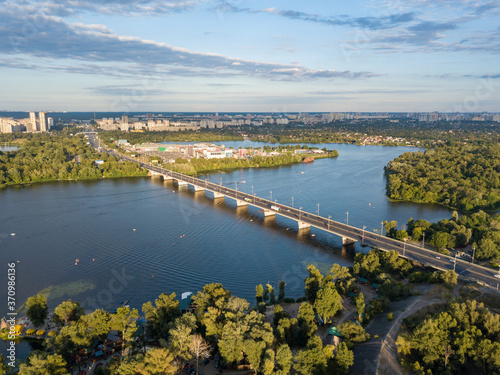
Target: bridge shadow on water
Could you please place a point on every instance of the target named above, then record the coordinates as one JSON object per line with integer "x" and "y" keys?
{"x": 316, "y": 238}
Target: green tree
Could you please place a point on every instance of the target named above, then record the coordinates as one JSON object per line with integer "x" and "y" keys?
{"x": 312, "y": 360}
{"x": 328, "y": 302}
{"x": 353, "y": 332}
{"x": 278, "y": 314}
{"x": 124, "y": 320}
{"x": 44, "y": 364}
{"x": 157, "y": 361}
{"x": 270, "y": 291}
{"x": 344, "y": 358}
{"x": 180, "y": 339}
{"x": 68, "y": 311}
{"x": 284, "y": 358}
{"x": 360, "y": 305}
{"x": 37, "y": 309}
{"x": 210, "y": 305}
{"x": 449, "y": 278}
{"x": 160, "y": 316}
{"x": 259, "y": 293}
{"x": 281, "y": 291}
{"x": 312, "y": 283}
{"x": 306, "y": 325}
{"x": 99, "y": 322}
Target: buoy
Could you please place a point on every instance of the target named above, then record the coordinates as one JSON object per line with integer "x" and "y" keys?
{"x": 313, "y": 235}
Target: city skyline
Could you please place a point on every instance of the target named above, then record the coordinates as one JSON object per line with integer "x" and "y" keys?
{"x": 161, "y": 55}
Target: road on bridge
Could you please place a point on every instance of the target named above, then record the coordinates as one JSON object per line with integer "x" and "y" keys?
{"x": 427, "y": 257}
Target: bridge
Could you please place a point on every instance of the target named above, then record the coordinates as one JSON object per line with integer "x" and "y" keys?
{"x": 305, "y": 220}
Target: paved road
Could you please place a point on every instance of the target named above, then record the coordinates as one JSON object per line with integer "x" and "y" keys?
{"x": 427, "y": 257}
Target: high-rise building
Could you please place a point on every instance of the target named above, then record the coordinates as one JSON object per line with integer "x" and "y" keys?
{"x": 32, "y": 122}
{"x": 42, "y": 119}
{"x": 125, "y": 119}
{"x": 50, "y": 122}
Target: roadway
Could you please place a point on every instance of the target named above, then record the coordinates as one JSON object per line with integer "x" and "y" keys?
{"x": 410, "y": 251}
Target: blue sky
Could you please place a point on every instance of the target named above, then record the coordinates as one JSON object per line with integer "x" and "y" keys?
{"x": 236, "y": 55}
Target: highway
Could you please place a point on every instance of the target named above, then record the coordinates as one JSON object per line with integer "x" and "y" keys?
{"x": 424, "y": 256}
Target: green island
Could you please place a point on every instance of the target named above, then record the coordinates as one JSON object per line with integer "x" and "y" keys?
{"x": 461, "y": 176}
{"x": 276, "y": 334}
{"x": 57, "y": 157}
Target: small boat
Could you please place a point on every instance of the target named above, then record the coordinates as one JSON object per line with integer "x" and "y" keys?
{"x": 301, "y": 172}
{"x": 12, "y": 234}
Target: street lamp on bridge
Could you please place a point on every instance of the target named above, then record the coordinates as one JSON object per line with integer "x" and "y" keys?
{"x": 347, "y": 220}
{"x": 404, "y": 245}
{"x": 473, "y": 252}
{"x": 318, "y": 209}
{"x": 363, "y": 236}
{"x": 329, "y": 217}
{"x": 271, "y": 192}
{"x": 300, "y": 212}
{"x": 292, "y": 202}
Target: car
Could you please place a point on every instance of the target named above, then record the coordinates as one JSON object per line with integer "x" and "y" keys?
{"x": 497, "y": 276}
{"x": 438, "y": 257}
{"x": 205, "y": 362}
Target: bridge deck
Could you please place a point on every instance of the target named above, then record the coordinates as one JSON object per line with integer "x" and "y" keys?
{"x": 427, "y": 257}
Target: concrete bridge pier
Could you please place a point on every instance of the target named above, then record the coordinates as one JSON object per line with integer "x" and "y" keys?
{"x": 180, "y": 183}
{"x": 269, "y": 213}
{"x": 240, "y": 203}
{"x": 216, "y": 195}
{"x": 197, "y": 188}
{"x": 303, "y": 225}
{"x": 167, "y": 177}
{"x": 347, "y": 241}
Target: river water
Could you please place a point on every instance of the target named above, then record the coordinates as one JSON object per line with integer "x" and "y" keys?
{"x": 137, "y": 238}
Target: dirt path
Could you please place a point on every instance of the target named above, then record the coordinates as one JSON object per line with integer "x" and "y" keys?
{"x": 388, "y": 362}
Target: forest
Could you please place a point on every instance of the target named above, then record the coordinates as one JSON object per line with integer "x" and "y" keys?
{"x": 464, "y": 338}
{"x": 420, "y": 134}
{"x": 479, "y": 229}
{"x": 265, "y": 337}
{"x": 49, "y": 157}
{"x": 203, "y": 135}
{"x": 465, "y": 177}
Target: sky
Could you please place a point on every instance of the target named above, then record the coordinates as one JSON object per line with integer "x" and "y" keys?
{"x": 250, "y": 56}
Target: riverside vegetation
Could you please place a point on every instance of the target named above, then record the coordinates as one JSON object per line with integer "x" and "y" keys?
{"x": 225, "y": 326}
{"x": 461, "y": 176}
{"x": 49, "y": 157}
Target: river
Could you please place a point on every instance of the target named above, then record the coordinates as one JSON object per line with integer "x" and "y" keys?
{"x": 136, "y": 238}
